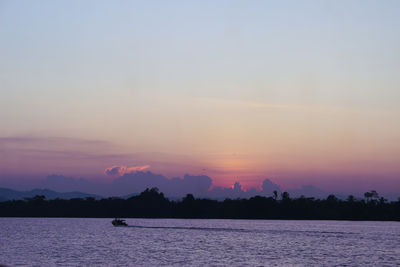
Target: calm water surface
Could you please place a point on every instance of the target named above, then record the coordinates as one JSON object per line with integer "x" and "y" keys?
{"x": 153, "y": 242}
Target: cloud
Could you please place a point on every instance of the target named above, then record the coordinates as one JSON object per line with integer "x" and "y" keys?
{"x": 69, "y": 156}
{"x": 134, "y": 183}
{"x": 49, "y": 141}
{"x": 312, "y": 191}
{"x": 268, "y": 187}
{"x": 237, "y": 191}
{"x": 176, "y": 187}
{"x": 117, "y": 171}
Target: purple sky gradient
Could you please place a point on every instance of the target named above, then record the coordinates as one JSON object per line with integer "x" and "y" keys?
{"x": 302, "y": 93}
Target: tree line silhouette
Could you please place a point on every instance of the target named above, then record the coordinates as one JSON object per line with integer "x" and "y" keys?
{"x": 153, "y": 204}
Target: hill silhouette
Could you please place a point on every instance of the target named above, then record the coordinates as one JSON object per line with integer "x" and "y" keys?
{"x": 10, "y": 194}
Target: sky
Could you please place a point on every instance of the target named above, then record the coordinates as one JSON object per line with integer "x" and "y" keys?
{"x": 300, "y": 92}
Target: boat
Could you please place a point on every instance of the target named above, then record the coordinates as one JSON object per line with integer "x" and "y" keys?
{"x": 119, "y": 222}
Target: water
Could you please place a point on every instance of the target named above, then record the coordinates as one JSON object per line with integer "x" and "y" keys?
{"x": 154, "y": 242}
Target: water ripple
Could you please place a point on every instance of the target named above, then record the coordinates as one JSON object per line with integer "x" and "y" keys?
{"x": 146, "y": 242}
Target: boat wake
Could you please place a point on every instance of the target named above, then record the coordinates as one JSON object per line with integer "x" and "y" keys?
{"x": 240, "y": 230}
{"x": 190, "y": 228}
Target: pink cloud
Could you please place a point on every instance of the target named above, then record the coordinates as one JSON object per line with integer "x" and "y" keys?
{"x": 117, "y": 171}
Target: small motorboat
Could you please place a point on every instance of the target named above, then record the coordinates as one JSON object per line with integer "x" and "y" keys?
{"x": 119, "y": 222}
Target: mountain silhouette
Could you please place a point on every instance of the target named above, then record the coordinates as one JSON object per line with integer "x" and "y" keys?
{"x": 9, "y": 194}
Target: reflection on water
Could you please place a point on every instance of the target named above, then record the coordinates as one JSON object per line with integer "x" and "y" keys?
{"x": 95, "y": 242}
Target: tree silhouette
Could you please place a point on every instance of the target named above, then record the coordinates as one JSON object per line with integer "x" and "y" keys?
{"x": 350, "y": 199}
{"x": 189, "y": 198}
{"x": 153, "y": 204}
{"x": 368, "y": 196}
{"x": 285, "y": 196}
{"x": 372, "y": 195}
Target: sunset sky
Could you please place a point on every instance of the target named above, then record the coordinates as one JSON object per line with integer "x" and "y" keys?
{"x": 301, "y": 92}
